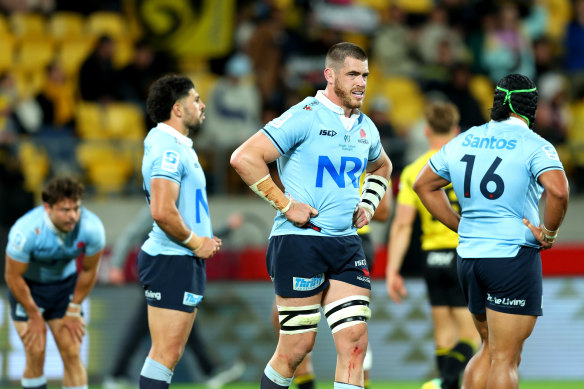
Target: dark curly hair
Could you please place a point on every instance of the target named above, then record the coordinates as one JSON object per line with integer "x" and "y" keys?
{"x": 163, "y": 93}
{"x": 523, "y": 103}
{"x": 60, "y": 188}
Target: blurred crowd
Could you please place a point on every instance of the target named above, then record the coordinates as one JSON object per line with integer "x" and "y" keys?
{"x": 74, "y": 77}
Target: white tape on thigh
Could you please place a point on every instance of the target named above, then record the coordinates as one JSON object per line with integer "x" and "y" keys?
{"x": 296, "y": 320}
{"x": 347, "y": 312}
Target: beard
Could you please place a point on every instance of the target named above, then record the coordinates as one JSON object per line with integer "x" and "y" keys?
{"x": 346, "y": 98}
{"x": 194, "y": 126}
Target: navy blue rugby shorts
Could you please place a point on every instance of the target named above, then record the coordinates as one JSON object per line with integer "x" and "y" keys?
{"x": 174, "y": 282}
{"x": 52, "y": 298}
{"x": 301, "y": 266}
{"x": 441, "y": 278}
{"x": 510, "y": 285}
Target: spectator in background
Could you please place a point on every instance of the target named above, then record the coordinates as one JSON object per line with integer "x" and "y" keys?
{"x": 546, "y": 59}
{"x": 553, "y": 115}
{"x": 508, "y": 47}
{"x": 574, "y": 48}
{"x": 234, "y": 107}
{"x": 135, "y": 78}
{"x": 8, "y": 100}
{"x": 98, "y": 80}
{"x": 57, "y": 102}
{"x": 394, "y": 144}
{"x": 392, "y": 44}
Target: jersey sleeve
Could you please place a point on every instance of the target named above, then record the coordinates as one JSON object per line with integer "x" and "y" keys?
{"x": 376, "y": 147}
{"x": 289, "y": 129}
{"x": 439, "y": 162}
{"x": 406, "y": 194}
{"x": 168, "y": 163}
{"x": 20, "y": 243}
{"x": 544, "y": 158}
{"x": 95, "y": 233}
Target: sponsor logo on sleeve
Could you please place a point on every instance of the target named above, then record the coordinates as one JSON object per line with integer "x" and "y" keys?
{"x": 170, "y": 161}
{"x": 278, "y": 122}
{"x": 551, "y": 152}
{"x": 303, "y": 284}
{"x": 18, "y": 241}
{"x": 192, "y": 299}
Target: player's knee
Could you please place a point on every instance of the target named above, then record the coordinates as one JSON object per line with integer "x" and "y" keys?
{"x": 298, "y": 320}
{"x": 71, "y": 354}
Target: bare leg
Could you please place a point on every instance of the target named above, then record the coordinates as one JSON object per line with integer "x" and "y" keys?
{"x": 477, "y": 369}
{"x": 70, "y": 350}
{"x": 35, "y": 354}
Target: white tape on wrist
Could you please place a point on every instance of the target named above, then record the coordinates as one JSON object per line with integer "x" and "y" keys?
{"x": 372, "y": 192}
{"x": 188, "y": 239}
{"x": 73, "y": 305}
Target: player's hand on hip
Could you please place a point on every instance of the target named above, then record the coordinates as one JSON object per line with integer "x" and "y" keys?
{"x": 538, "y": 234}
{"x": 300, "y": 213}
{"x": 208, "y": 248}
{"x": 395, "y": 287}
{"x": 361, "y": 217}
{"x": 35, "y": 333}
{"x": 76, "y": 327}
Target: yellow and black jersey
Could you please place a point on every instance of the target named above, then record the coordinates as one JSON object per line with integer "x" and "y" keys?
{"x": 435, "y": 235}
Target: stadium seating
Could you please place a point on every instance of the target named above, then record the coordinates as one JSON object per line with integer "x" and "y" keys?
{"x": 72, "y": 53}
{"x": 64, "y": 26}
{"x": 34, "y": 55}
{"x": 106, "y": 23}
{"x": 124, "y": 121}
{"x": 108, "y": 168}
{"x": 34, "y": 165}
{"x": 28, "y": 25}
{"x": 482, "y": 89}
{"x": 7, "y": 50}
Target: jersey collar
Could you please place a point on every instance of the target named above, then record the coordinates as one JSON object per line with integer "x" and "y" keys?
{"x": 332, "y": 106}
{"x": 515, "y": 121}
{"x": 185, "y": 140}
{"x": 60, "y": 234}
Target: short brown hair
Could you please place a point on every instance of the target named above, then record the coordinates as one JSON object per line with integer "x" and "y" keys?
{"x": 340, "y": 51}
{"x": 60, "y": 188}
{"x": 442, "y": 117}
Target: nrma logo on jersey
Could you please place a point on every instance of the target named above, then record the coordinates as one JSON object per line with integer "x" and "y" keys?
{"x": 352, "y": 167}
{"x": 192, "y": 299}
{"x": 301, "y": 284}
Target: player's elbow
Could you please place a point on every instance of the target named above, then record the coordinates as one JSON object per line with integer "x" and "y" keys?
{"x": 560, "y": 193}
{"x": 237, "y": 159}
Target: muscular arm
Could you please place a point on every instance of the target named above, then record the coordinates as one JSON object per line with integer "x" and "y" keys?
{"x": 14, "y": 276}
{"x": 557, "y": 195}
{"x": 87, "y": 277}
{"x": 399, "y": 240}
{"x": 383, "y": 211}
{"x": 428, "y": 186}
{"x": 382, "y": 167}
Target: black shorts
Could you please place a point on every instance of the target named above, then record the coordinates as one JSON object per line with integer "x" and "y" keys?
{"x": 368, "y": 249}
{"x": 441, "y": 279}
{"x": 52, "y": 298}
{"x": 510, "y": 285}
{"x": 301, "y": 266}
{"x": 172, "y": 281}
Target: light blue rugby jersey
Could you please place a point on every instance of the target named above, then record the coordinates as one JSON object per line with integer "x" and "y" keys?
{"x": 170, "y": 155}
{"x": 321, "y": 162}
{"x": 50, "y": 253}
{"x": 494, "y": 170}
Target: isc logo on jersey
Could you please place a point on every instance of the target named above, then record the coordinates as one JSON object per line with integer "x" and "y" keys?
{"x": 170, "y": 161}
{"x": 192, "y": 299}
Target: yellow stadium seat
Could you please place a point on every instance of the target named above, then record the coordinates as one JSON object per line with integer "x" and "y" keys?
{"x": 72, "y": 53}
{"x": 66, "y": 26}
{"x": 559, "y": 14}
{"x": 7, "y": 52}
{"x": 28, "y": 25}
{"x": 106, "y": 23}
{"x": 34, "y": 166}
{"x": 4, "y": 27}
{"x": 124, "y": 121}
{"x": 415, "y": 6}
{"x": 89, "y": 121}
{"x": 404, "y": 95}
{"x": 28, "y": 83}
{"x": 34, "y": 54}
{"x": 378, "y": 5}
{"x": 482, "y": 89}
{"x": 107, "y": 168}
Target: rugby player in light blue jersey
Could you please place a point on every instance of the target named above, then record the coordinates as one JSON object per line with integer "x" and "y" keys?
{"x": 322, "y": 146}
{"x": 171, "y": 263}
{"x": 499, "y": 171}
{"x": 45, "y": 287}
